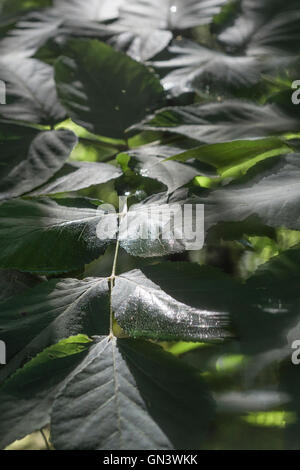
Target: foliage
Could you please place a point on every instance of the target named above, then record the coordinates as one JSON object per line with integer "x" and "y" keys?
{"x": 122, "y": 343}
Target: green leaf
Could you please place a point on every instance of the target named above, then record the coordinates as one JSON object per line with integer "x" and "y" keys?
{"x": 50, "y": 312}
{"x": 130, "y": 395}
{"x": 104, "y": 90}
{"x": 78, "y": 175}
{"x": 49, "y": 236}
{"x": 13, "y": 282}
{"x": 270, "y": 191}
{"x": 26, "y": 399}
{"x": 233, "y": 159}
{"x": 222, "y": 122}
{"x": 143, "y": 309}
{"x": 9, "y": 7}
{"x": 31, "y": 157}
{"x": 281, "y": 268}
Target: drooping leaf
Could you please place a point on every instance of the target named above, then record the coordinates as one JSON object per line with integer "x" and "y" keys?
{"x": 77, "y": 175}
{"x": 46, "y": 235}
{"x": 143, "y": 309}
{"x": 104, "y": 90}
{"x": 31, "y": 157}
{"x": 235, "y": 158}
{"x": 30, "y": 91}
{"x": 134, "y": 397}
{"x": 223, "y": 122}
{"x": 169, "y": 15}
{"x": 49, "y": 312}
{"x": 26, "y": 399}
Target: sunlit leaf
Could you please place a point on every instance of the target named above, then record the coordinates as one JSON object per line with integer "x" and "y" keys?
{"x": 166, "y": 14}
{"x": 77, "y": 175}
{"x": 235, "y": 158}
{"x": 192, "y": 67}
{"x": 143, "y": 309}
{"x": 30, "y": 91}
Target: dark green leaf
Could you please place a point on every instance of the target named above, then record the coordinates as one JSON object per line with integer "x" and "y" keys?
{"x": 47, "y": 235}
{"x": 31, "y": 157}
{"x": 104, "y": 90}
{"x": 130, "y": 395}
{"x": 13, "y": 282}
{"x": 271, "y": 194}
{"x": 10, "y": 7}
{"x": 26, "y": 399}
{"x": 50, "y": 312}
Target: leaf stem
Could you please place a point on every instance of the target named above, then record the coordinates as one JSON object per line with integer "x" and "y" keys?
{"x": 113, "y": 274}
{"x": 101, "y": 143}
{"x": 111, "y": 286}
{"x": 112, "y": 277}
{"x": 45, "y": 439}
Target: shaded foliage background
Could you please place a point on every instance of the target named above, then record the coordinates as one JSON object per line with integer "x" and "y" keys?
{"x": 161, "y": 101}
